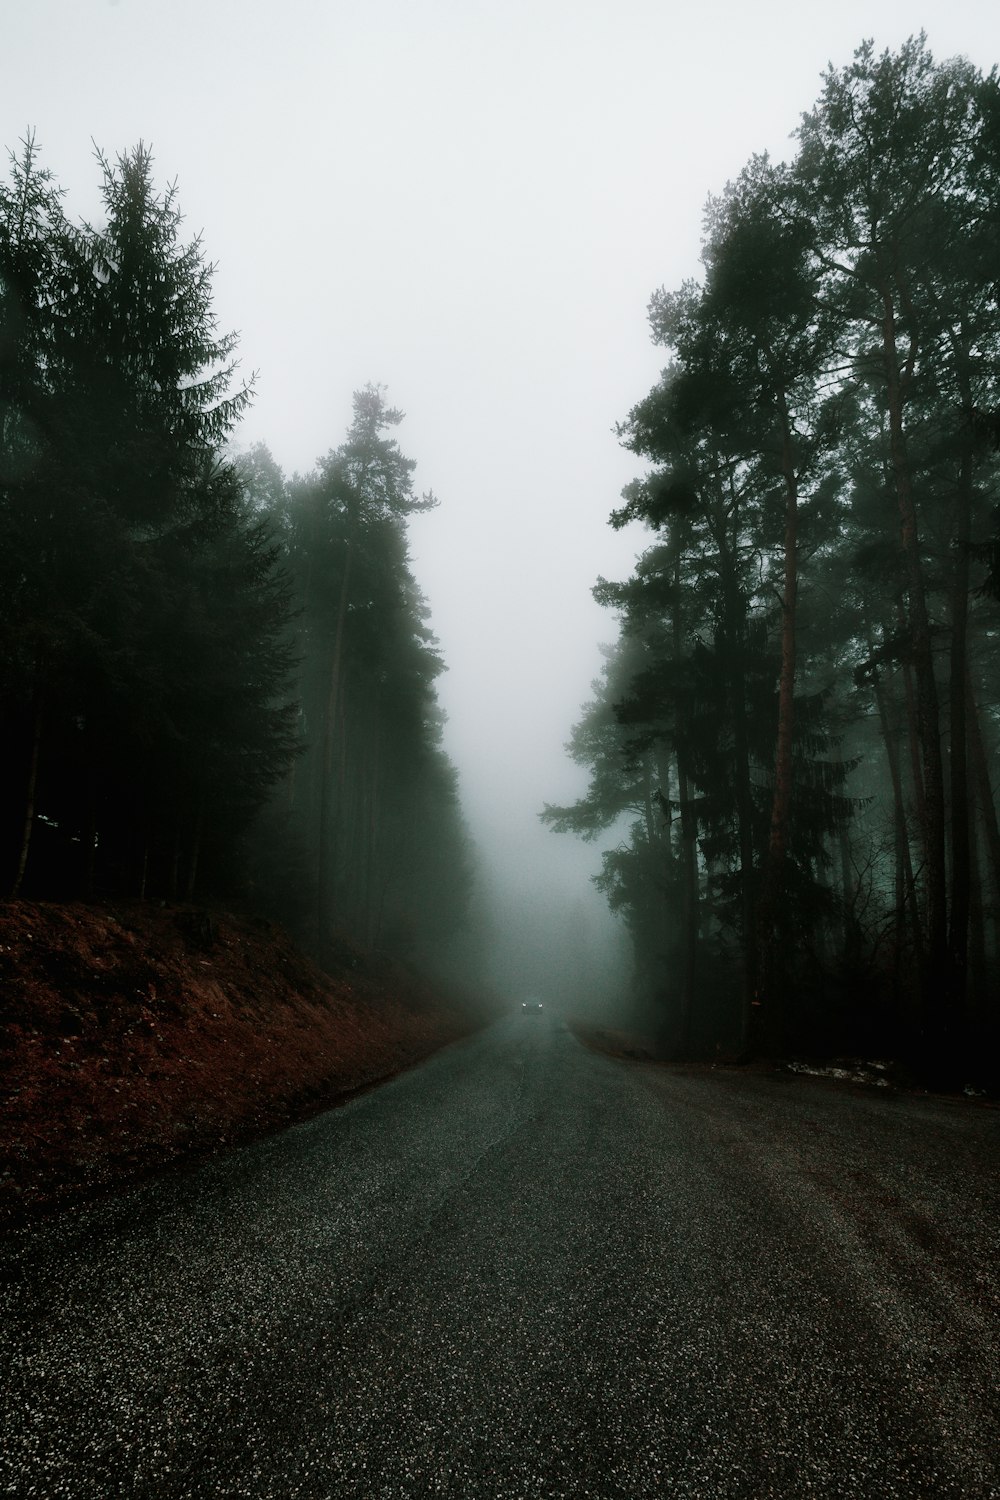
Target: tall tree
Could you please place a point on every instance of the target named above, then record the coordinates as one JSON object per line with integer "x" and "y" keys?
{"x": 892, "y": 140}
{"x": 122, "y": 392}
{"x": 365, "y": 491}
{"x": 826, "y": 437}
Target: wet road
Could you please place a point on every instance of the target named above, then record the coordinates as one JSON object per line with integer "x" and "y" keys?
{"x": 528, "y": 1270}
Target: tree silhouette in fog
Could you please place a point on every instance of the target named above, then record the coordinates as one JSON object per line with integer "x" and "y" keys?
{"x": 813, "y": 618}
{"x": 213, "y": 679}
{"x": 143, "y": 605}
{"x": 366, "y": 830}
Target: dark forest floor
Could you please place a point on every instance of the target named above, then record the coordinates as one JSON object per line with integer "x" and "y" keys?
{"x": 135, "y": 1037}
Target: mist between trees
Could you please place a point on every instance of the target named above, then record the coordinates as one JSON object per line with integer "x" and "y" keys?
{"x": 800, "y": 715}
{"x": 215, "y": 682}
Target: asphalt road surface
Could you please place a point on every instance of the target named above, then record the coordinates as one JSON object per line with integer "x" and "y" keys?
{"x": 523, "y": 1270}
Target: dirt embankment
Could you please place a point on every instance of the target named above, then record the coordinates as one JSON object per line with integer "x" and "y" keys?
{"x": 134, "y": 1036}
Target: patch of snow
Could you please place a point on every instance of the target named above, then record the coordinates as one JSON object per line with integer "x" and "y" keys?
{"x": 860, "y": 1072}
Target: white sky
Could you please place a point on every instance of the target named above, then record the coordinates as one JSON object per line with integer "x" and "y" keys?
{"x": 469, "y": 201}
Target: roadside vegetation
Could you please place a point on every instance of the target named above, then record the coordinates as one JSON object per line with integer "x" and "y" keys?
{"x": 794, "y": 739}
{"x": 136, "y": 1035}
{"x": 217, "y": 692}
{"x": 217, "y": 684}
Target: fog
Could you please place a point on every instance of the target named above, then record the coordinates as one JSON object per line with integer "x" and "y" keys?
{"x": 469, "y": 203}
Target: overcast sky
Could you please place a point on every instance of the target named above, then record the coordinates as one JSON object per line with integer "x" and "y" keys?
{"x": 470, "y": 202}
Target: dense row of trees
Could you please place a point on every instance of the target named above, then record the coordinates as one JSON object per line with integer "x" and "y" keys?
{"x": 366, "y": 824}
{"x": 799, "y": 715}
{"x": 211, "y": 680}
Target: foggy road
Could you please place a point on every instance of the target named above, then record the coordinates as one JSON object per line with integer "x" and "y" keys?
{"x": 525, "y": 1269}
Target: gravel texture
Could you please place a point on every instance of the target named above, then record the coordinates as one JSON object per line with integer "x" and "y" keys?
{"x": 527, "y": 1269}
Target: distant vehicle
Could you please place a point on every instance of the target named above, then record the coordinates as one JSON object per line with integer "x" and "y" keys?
{"x": 531, "y": 1005}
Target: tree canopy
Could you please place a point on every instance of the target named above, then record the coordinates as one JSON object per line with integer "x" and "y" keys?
{"x": 214, "y": 680}
{"x": 803, "y": 675}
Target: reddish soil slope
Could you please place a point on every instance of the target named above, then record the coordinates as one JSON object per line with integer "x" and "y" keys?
{"x": 133, "y": 1036}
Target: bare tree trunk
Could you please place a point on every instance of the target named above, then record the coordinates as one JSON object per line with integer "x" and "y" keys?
{"x": 689, "y": 903}
{"x": 194, "y": 860}
{"x": 734, "y": 645}
{"x": 978, "y": 984}
{"x": 647, "y": 800}
{"x": 689, "y": 844}
{"x": 984, "y": 789}
{"x": 744, "y": 818}
{"x": 937, "y": 1010}
{"x": 958, "y": 935}
{"x": 291, "y": 775}
{"x": 324, "y": 873}
{"x": 371, "y": 834}
{"x": 174, "y": 880}
{"x": 846, "y": 870}
{"x": 90, "y": 832}
{"x": 30, "y": 791}
{"x": 905, "y": 885}
{"x": 913, "y": 741}
{"x": 770, "y": 987}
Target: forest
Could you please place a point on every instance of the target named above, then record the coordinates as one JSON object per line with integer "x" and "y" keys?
{"x": 217, "y": 683}
{"x": 793, "y": 742}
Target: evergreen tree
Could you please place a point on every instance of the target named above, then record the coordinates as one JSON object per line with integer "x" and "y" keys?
{"x": 139, "y": 584}
{"x": 368, "y": 824}
{"x": 823, "y": 451}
